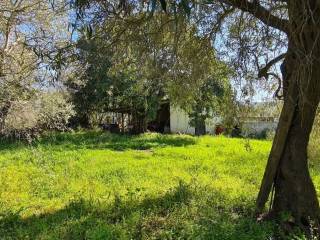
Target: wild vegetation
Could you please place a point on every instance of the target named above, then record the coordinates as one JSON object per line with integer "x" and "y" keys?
{"x": 94, "y": 185}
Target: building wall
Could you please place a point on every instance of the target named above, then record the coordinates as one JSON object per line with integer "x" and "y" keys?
{"x": 254, "y": 127}
{"x": 179, "y": 122}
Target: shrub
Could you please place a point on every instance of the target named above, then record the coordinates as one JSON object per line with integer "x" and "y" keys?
{"x": 46, "y": 111}
{"x": 54, "y": 111}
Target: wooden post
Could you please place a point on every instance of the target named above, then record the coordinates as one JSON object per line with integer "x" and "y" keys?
{"x": 122, "y": 123}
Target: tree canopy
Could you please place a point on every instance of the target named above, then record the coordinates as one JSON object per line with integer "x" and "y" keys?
{"x": 137, "y": 71}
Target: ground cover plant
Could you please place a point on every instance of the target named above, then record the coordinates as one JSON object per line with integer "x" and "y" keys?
{"x": 94, "y": 185}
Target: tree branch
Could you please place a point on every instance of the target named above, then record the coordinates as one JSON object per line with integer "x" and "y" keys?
{"x": 263, "y": 72}
{"x": 260, "y": 12}
{"x": 220, "y": 18}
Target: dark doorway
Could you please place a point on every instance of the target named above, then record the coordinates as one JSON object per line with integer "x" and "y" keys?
{"x": 161, "y": 123}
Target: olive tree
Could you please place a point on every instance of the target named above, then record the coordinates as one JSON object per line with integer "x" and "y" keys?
{"x": 143, "y": 66}
{"x": 33, "y": 34}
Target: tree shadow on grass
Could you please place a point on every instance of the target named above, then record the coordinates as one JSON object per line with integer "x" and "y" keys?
{"x": 163, "y": 217}
{"x": 117, "y": 142}
{"x": 8, "y": 144}
{"x": 82, "y": 219}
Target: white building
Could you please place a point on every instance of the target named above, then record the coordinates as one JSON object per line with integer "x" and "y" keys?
{"x": 257, "y": 125}
{"x": 179, "y": 122}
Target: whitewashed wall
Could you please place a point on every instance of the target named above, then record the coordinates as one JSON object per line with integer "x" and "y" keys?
{"x": 254, "y": 127}
{"x": 179, "y": 122}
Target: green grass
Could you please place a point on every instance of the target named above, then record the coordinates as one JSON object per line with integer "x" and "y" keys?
{"x": 93, "y": 185}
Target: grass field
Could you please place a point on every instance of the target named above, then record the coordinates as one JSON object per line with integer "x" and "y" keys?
{"x": 93, "y": 185}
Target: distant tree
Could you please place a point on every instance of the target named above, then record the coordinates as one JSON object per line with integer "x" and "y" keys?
{"x": 43, "y": 111}
{"x": 104, "y": 86}
{"x": 136, "y": 71}
{"x": 91, "y": 82}
{"x": 205, "y": 106}
{"x": 171, "y": 52}
{"x": 30, "y": 33}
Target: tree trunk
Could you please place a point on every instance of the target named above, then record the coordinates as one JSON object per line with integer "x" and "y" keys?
{"x": 294, "y": 191}
{"x": 4, "y": 110}
{"x": 200, "y": 126}
{"x": 122, "y": 122}
{"x": 287, "y": 168}
{"x": 139, "y": 122}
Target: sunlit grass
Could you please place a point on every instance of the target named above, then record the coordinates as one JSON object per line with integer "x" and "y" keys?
{"x": 93, "y": 185}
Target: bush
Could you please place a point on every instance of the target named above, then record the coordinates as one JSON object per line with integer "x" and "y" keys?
{"x": 46, "y": 111}
{"x": 54, "y": 112}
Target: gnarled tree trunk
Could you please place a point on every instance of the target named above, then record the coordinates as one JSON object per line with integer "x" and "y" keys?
{"x": 294, "y": 190}
{"x": 287, "y": 168}
{"x": 200, "y": 126}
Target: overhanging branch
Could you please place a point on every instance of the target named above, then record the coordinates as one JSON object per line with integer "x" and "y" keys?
{"x": 264, "y": 71}
{"x": 259, "y": 12}
{"x": 220, "y": 19}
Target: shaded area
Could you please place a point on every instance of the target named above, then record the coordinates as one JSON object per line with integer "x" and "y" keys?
{"x": 177, "y": 213}
{"x": 9, "y": 144}
{"x": 104, "y": 140}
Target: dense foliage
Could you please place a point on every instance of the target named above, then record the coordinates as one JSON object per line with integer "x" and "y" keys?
{"x": 136, "y": 72}
{"x": 44, "y": 111}
{"x": 32, "y": 37}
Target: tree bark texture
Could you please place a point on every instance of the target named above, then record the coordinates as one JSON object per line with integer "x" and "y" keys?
{"x": 287, "y": 167}
{"x": 200, "y": 126}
